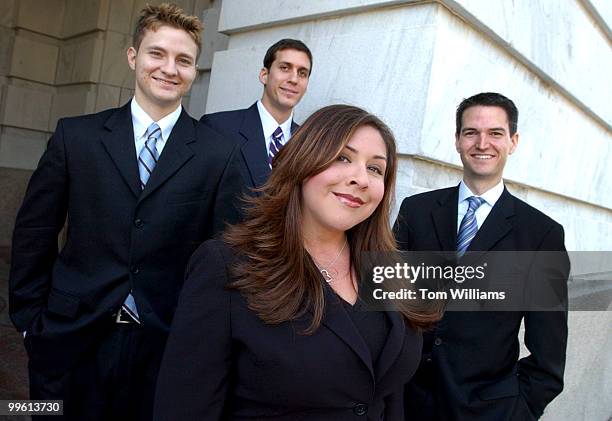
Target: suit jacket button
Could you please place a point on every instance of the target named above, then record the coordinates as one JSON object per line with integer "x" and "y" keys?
{"x": 138, "y": 222}
{"x": 360, "y": 409}
{"x": 438, "y": 341}
{"x": 135, "y": 270}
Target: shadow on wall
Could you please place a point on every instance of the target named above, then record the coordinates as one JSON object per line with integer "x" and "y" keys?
{"x": 13, "y": 359}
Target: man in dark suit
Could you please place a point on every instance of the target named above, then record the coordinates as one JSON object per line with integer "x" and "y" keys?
{"x": 141, "y": 187}
{"x": 470, "y": 367}
{"x": 264, "y": 127}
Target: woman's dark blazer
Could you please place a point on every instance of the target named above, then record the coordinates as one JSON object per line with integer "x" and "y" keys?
{"x": 223, "y": 363}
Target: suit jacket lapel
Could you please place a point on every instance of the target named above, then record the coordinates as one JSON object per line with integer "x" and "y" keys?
{"x": 254, "y": 149}
{"x": 294, "y": 127}
{"x": 338, "y": 321}
{"x": 445, "y": 220}
{"x": 119, "y": 143}
{"x": 496, "y": 226}
{"x": 393, "y": 345}
{"x": 176, "y": 152}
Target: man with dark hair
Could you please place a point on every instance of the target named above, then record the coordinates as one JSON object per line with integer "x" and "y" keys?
{"x": 488, "y": 99}
{"x": 264, "y": 127}
{"x": 141, "y": 187}
{"x": 470, "y": 367}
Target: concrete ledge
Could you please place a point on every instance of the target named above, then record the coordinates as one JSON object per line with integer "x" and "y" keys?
{"x": 243, "y": 15}
{"x": 551, "y": 57}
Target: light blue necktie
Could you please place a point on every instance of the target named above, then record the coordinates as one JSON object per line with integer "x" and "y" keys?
{"x": 147, "y": 160}
{"x": 469, "y": 226}
{"x": 276, "y": 144}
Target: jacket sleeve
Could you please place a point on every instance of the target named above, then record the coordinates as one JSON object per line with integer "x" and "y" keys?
{"x": 541, "y": 373}
{"x": 401, "y": 228}
{"x": 228, "y": 198}
{"x": 35, "y": 238}
{"x": 194, "y": 374}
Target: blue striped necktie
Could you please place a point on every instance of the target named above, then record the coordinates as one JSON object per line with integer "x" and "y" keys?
{"x": 276, "y": 144}
{"x": 469, "y": 226}
{"x": 147, "y": 160}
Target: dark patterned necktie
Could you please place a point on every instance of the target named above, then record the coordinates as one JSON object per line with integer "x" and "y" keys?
{"x": 276, "y": 144}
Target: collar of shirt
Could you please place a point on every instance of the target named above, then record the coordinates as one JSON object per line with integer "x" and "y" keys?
{"x": 491, "y": 197}
{"x": 269, "y": 124}
{"x": 141, "y": 121}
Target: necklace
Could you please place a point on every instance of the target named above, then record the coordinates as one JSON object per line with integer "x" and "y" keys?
{"x": 324, "y": 269}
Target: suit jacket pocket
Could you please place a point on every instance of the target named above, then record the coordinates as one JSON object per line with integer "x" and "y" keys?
{"x": 506, "y": 387}
{"x": 62, "y": 303}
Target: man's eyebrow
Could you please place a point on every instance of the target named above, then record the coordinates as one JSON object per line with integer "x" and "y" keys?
{"x": 288, "y": 63}
{"x": 350, "y": 148}
{"x": 490, "y": 128}
{"x": 188, "y": 55}
{"x": 160, "y": 48}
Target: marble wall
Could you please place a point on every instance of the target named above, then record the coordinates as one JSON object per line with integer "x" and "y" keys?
{"x": 426, "y": 60}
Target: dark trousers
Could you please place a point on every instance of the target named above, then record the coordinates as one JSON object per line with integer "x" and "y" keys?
{"x": 115, "y": 380}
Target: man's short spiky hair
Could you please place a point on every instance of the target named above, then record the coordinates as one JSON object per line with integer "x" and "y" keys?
{"x": 152, "y": 17}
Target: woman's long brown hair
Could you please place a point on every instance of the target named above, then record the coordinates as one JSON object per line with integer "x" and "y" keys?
{"x": 278, "y": 277}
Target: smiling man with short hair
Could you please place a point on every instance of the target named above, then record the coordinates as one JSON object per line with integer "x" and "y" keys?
{"x": 141, "y": 187}
{"x": 264, "y": 127}
{"x": 470, "y": 368}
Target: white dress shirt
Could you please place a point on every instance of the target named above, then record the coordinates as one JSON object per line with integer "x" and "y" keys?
{"x": 490, "y": 197}
{"x": 269, "y": 125}
{"x": 141, "y": 122}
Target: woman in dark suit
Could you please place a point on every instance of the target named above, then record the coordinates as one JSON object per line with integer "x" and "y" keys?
{"x": 268, "y": 323}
